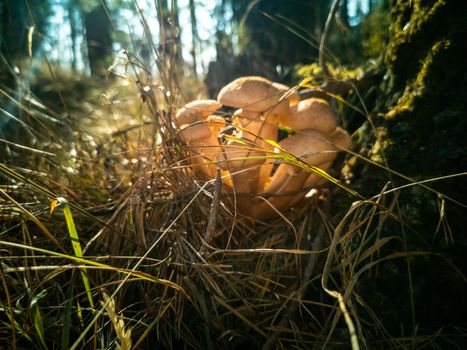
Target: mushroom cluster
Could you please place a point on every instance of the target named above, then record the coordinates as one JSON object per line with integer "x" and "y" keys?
{"x": 252, "y": 181}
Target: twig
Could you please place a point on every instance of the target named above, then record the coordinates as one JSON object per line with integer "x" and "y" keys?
{"x": 211, "y": 227}
{"x": 324, "y": 38}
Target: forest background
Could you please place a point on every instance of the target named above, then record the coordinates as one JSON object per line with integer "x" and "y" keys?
{"x": 88, "y": 88}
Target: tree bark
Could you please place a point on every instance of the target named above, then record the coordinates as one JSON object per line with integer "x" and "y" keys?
{"x": 98, "y": 39}
{"x": 194, "y": 35}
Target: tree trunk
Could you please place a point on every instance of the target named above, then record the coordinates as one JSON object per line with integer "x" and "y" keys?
{"x": 194, "y": 35}
{"x": 424, "y": 98}
{"x": 73, "y": 34}
{"x": 169, "y": 32}
{"x": 421, "y": 123}
{"x": 98, "y": 39}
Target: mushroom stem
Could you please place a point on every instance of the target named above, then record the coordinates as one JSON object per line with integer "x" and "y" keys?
{"x": 288, "y": 194}
{"x": 204, "y": 147}
{"x": 243, "y": 168}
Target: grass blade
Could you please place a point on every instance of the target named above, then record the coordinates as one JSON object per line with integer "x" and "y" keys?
{"x": 74, "y": 241}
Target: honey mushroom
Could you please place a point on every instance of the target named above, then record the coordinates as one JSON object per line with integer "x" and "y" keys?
{"x": 198, "y": 131}
{"x": 242, "y": 162}
{"x": 312, "y": 148}
{"x": 311, "y": 113}
{"x": 195, "y": 111}
{"x": 315, "y": 117}
{"x": 260, "y": 104}
{"x": 342, "y": 141}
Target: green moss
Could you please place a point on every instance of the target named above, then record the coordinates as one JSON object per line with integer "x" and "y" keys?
{"x": 424, "y": 112}
{"x": 417, "y": 87}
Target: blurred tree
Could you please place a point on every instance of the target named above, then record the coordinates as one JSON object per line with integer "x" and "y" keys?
{"x": 269, "y": 37}
{"x": 16, "y": 17}
{"x": 98, "y": 36}
{"x": 194, "y": 35}
{"x": 74, "y": 33}
{"x": 169, "y": 32}
{"x": 22, "y": 28}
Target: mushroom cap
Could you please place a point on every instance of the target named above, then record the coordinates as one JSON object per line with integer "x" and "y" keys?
{"x": 341, "y": 139}
{"x": 255, "y": 94}
{"x": 310, "y": 146}
{"x": 311, "y": 113}
{"x": 196, "y": 110}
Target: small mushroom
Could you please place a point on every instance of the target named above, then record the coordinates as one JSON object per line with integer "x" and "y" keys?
{"x": 311, "y": 147}
{"x": 342, "y": 141}
{"x": 198, "y": 130}
{"x": 311, "y": 113}
{"x": 242, "y": 161}
{"x": 258, "y": 130}
{"x": 195, "y": 111}
{"x": 204, "y": 147}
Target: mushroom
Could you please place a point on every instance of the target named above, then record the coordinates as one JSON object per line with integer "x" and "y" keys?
{"x": 257, "y": 94}
{"x": 204, "y": 147}
{"x": 256, "y": 126}
{"x": 311, "y": 113}
{"x": 311, "y": 147}
{"x": 258, "y": 130}
{"x": 195, "y": 111}
{"x": 342, "y": 141}
{"x": 242, "y": 161}
{"x": 261, "y": 102}
{"x": 198, "y": 132}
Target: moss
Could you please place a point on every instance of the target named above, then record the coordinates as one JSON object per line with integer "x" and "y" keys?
{"x": 422, "y": 122}
{"x": 424, "y": 108}
{"x": 374, "y": 31}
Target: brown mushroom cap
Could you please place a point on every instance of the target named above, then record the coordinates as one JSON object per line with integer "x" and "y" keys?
{"x": 310, "y": 146}
{"x": 311, "y": 113}
{"x": 196, "y": 110}
{"x": 255, "y": 94}
{"x": 341, "y": 139}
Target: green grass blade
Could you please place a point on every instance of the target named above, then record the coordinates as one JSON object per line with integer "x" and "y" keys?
{"x": 74, "y": 241}
{"x": 67, "y": 320}
{"x": 39, "y": 326}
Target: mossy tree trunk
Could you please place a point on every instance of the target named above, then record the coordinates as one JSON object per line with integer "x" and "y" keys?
{"x": 424, "y": 103}
{"x": 421, "y": 119}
